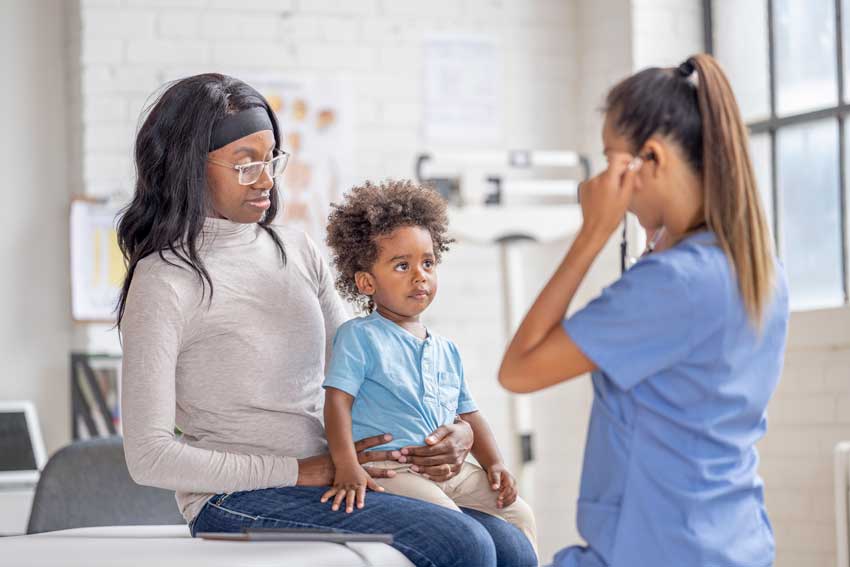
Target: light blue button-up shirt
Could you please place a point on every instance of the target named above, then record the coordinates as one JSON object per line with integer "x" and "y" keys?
{"x": 401, "y": 384}
{"x": 670, "y": 467}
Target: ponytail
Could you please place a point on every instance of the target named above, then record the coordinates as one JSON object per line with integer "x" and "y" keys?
{"x": 732, "y": 204}
{"x": 703, "y": 118}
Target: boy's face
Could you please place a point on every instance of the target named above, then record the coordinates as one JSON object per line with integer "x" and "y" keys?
{"x": 403, "y": 279}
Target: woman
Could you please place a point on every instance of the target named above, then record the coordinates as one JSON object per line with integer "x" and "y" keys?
{"x": 226, "y": 320}
{"x": 686, "y": 347}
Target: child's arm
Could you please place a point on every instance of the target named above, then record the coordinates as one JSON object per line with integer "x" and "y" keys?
{"x": 350, "y": 479}
{"x": 338, "y": 426}
{"x": 486, "y": 452}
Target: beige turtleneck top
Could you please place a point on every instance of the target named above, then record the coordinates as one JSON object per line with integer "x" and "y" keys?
{"x": 240, "y": 377}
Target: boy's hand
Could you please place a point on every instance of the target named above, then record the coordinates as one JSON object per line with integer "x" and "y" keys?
{"x": 350, "y": 484}
{"x": 502, "y": 480}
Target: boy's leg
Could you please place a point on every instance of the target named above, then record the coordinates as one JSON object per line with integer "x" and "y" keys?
{"x": 410, "y": 484}
{"x": 471, "y": 489}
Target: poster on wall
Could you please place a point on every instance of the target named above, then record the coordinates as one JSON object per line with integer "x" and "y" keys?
{"x": 97, "y": 267}
{"x": 464, "y": 75}
{"x": 315, "y": 120}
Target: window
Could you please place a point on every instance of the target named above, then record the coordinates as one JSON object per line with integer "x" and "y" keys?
{"x": 788, "y": 63}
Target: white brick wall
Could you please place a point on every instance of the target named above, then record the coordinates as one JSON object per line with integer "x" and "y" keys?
{"x": 130, "y": 47}
{"x": 560, "y": 57}
{"x": 808, "y": 415}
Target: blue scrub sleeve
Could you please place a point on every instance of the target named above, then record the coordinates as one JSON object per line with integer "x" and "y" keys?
{"x": 349, "y": 361}
{"x": 639, "y": 325}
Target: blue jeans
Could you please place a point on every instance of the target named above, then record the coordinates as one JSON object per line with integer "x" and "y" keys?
{"x": 428, "y": 535}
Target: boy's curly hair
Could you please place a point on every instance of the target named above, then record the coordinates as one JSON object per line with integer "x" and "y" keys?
{"x": 370, "y": 211}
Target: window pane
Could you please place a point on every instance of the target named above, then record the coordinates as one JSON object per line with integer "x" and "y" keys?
{"x": 845, "y": 38}
{"x": 740, "y": 44}
{"x": 807, "y": 177}
{"x": 760, "y": 154}
{"x": 805, "y": 55}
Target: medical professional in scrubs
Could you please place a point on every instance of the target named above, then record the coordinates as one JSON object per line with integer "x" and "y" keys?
{"x": 685, "y": 349}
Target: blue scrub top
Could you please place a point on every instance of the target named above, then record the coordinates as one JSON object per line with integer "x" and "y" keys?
{"x": 684, "y": 379}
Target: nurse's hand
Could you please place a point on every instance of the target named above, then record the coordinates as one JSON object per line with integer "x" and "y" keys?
{"x": 444, "y": 453}
{"x": 605, "y": 198}
{"x": 320, "y": 471}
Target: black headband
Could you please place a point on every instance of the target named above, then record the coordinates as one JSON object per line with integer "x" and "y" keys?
{"x": 239, "y": 125}
{"x": 686, "y": 69}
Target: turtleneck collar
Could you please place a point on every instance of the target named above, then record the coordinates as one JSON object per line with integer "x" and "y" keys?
{"x": 223, "y": 232}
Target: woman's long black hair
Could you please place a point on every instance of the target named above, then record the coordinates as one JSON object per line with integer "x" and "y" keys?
{"x": 171, "y": 200}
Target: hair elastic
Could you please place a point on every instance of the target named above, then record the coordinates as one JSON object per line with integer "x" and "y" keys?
{"x": 687, "y": 68}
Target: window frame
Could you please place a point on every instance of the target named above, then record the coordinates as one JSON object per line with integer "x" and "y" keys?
{"x": 774, "y": 123}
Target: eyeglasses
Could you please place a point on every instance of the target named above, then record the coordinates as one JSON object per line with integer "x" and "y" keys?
{"x": 249, "y": 173}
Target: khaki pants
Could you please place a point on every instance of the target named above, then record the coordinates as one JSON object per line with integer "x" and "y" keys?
{"x": 470, "y": 488}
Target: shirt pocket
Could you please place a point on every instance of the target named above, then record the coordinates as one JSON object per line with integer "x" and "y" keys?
{"x": 449, "y": 384}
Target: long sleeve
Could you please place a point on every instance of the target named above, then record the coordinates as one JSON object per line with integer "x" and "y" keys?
{"x": 334, "y": 309}
{"x": 153, "y": 329}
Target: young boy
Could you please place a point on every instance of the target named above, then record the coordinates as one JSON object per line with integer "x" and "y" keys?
{"x": 388, "y": 373}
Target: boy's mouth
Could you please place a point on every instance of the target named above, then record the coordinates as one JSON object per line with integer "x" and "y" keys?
{"x": 420, "y": 294}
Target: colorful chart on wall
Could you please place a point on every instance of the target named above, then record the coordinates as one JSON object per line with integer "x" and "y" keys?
{"x": 97, "y": 267}
{"x": 314, "y": 118}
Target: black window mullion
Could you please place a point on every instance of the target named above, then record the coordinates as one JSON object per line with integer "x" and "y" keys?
{"x": 771, "y": 130}
{"x": 842, "y": 153}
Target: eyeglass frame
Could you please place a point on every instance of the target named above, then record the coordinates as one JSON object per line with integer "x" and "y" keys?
{"x": 239, "y": 167}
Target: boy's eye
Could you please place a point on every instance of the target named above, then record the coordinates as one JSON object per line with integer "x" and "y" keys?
{"x": 401, "y": 266}
{"x": 429, "y": 263}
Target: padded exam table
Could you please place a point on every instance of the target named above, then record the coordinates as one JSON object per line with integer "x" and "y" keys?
{"x": 167, "y": 546}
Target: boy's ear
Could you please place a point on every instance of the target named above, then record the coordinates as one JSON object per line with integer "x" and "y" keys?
{"x": 365, "y": 282}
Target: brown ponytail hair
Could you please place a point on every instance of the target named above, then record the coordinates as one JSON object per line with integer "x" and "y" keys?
{"x": 703, "y": 118}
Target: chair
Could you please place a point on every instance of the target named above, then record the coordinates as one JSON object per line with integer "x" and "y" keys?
{"x": 87, "y": 484}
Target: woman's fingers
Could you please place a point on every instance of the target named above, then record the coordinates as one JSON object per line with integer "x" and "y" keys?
{"x": 375, "y": 472}
{"x": 373, "y": 441}
{"x": 432, "y": 461}
{"x": 438, "y": 435}
{"x": 425, "y": 450}
{"x": 439, "y": 473}
{"x": 375, "y": 456}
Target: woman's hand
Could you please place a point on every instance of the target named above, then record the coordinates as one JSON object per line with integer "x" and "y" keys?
{"x": 350, "y": 484}
{"x": 443, "y": 454}
{"x": 319, "y": 470}
{"x": 605, "y": 198}
{"x": 503, "y": 481}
